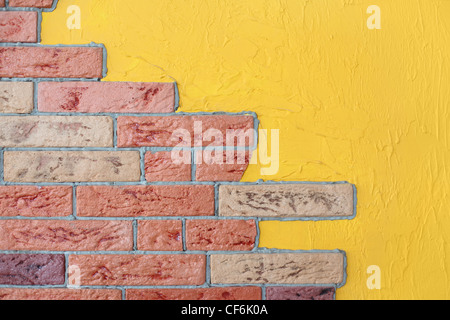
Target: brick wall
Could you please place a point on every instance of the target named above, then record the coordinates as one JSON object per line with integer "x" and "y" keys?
{"x": 93, "y": 205}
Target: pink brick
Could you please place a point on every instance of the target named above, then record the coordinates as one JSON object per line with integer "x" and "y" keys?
{"x": 66, "y": 235}
{"x": 145, "y": 201}
{"x": 114, "y": 97}
{"x": 300, "y": 293}
{"x": 164, "y": 131}
{"x": 160, "y": 166}
{"x": 227, "y": 293}
{"x": 31, "y": 3}
{"x": 60, "y": 294}
{"x": 210, "y": 167}
{"x": 160, "y": 235}
{"x": 208, "y": 235}
{"x": 51, "y": 62}
{"x": 31, "y": 201}
{"x": 18, "y": 26}
{"x": 140, "y": 270}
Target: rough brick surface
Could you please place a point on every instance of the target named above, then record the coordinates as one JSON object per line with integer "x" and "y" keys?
{"x": 289, "y": 268}
{"x": 114, "y": 97}
{"x": 140, "y": 270}
{"x": 16, "y": 97}
{"x": 165, "y": 131}
{"x": 55, "y": 131}
{"x": 31, "y": 3}
{"x": 160, "y": 166}
{"x": 18, "y": 26}
{"x": 145, "y": 201}
{"x": 224, "y": 235}
{"x": 224, "y": 166}
{"x": 229, "y": 293}
{"x": 290, "y": 200}
{"x": 32, "y": 201}
{"x": 60, "y": 294}
{"x": 34, "y": 235}
{"x": 32, "y": 269}
{"x": 300, "y": 293}
{"x": 71, "y": 166}
{"x": 51, "y": 62}
{"x": 2, "y": 3}
{"x": 160, "y": 235}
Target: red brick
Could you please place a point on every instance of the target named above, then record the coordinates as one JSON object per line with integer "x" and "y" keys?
{"x": 2, "y": 3}
{"x": 51, "y": 62}
{"x": 60, "y": 294}
{"x": 145, "y": 201}
{"x": 114, "y": 97}
{"x": 31, "y": 201}
{"x": 228, "y": 235}
{"x": 31, "y": 3}
{"x": 18, "y": 26}
{"x": 300, "y": 293}
{"x": 227, "y": 293}
{"x": 160, "y": 166}
{"x": 159, "y": 131}
{"x": 224, "y": 168}
{"x": 160, "y": 235}
{"x": 140, "y": 270}
{"x": 66, "y": 235}
{"x": 32, "y": 269}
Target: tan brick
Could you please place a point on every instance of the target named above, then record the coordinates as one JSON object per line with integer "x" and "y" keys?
{"x": 71, "y": 166}
{"x": 285, "y": 268}
{"x": 60, "y": 294}
{"x": 16, "y": 97}
{"x": 66, "y": 235}
{"x": 56, "y": 131}
{"x": 287, "y": 200}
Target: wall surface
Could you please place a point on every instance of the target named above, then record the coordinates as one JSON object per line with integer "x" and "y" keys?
{"x": 365, "y": 106}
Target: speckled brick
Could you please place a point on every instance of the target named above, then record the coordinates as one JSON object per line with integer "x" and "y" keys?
{"x": 287, "y": 200}
{"x": 165, "y": 131}
{"x": 31, "y": 3}
{"x": 18, "y": 26}
{"x": 145, "y": 201}
{"x": 160, "y": 166}
{"x": 114, "y": 97}
{"x": 56, "y": 131}
{"x": 228, "y": 293}
{"x": 224, "y": 166}
{"x": 16, "y": 97}
{"x": 32, "y": 269}
{"x": 51, "y": 62}
{"x": 280, "y": 268}
{"x": 300, "y": 293}
{"x": 33, "y": 201}
{"x": 60, "y": 294}
{"x": 160, "y": 235}
{"x": 208, "y": 235}
{"x": 140, "y": 270}
{"x": 71, "y": 166}
{"x": 35, "y": 235}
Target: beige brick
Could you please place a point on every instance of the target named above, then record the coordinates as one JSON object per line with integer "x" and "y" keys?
{"x": 16, "y": 97}
{"x": 289, "y": 268}
{"x": 56, "y": 131}
{"x": 71, "y": 166}
{"x": 287, "y": 200}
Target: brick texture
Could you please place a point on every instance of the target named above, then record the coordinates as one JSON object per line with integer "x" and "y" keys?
{"x": 51, "y": 62}
{"x": 160, "y": 235}
{"x": 115, "y": 97}
{"x": 60, "y": 294}
{"x": 32, "y": 201}
{"x": 32, "y": 269}
{"x": 140, "y": 270}
{"x": 16, "y": 97}
{"x": 31, "y": 3}
{"x": 224, "y": 166}
{"x": 145, "y": 201}
{"x": 160, "y": 166}
{"x": 300, "y": 293}
{"x": 18, "y": 26}
{"x": 66, "y": 235}
{"x": 2, "y": 3}
{"x": 238, "y": 235}
{"x": 228, "y": 293}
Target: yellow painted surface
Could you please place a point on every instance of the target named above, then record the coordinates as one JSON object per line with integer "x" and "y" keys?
{"x": 365, "y": 106}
